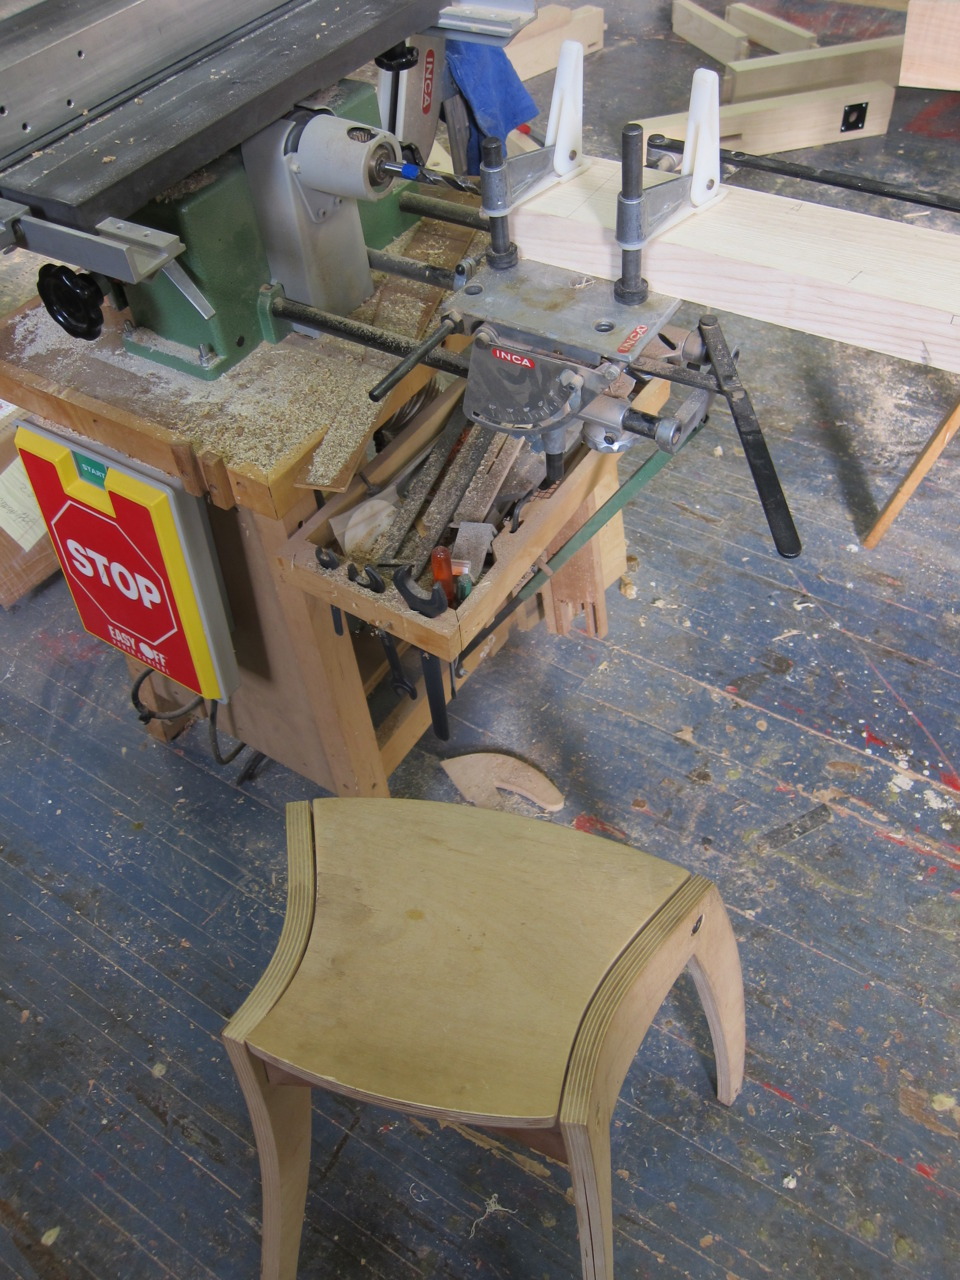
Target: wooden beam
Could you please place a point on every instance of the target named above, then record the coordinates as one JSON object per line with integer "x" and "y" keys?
{"x": 906, "y": 488}
{"x": 886, "y": 286}
{"x": 706, "y": 31}
{"x": 931, "y": 48}
{"x": 536, "y": 49}
{"x": 813, "y": 69}
{"x": 773, "y": 33}
{"x": 794, "y": 121}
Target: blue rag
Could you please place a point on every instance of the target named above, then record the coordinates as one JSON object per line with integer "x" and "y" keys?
{"x": 496, "y": 99}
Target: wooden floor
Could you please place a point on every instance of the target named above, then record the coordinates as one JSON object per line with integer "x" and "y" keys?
{"x": 789, "y": 729}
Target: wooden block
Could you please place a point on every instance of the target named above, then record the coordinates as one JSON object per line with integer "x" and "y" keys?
{"x": 813, "y": 69}
{"x": 795, "y": 121}
{"x": 886, "y": 286}
{"x": 773, "y": 33}
{"x": 706, "y": 31}
{"x": 536, "y": 49}
{"x": 27, "y": 557}
{"x": 931, "y": 48}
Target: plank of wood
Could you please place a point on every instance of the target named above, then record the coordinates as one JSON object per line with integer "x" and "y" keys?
{"x": 703, "y": 29}
{"x": 908, "y": 485}
{"x": 886, "y": 286}
{"x": 813, "y": 69}
{"x": 793, "y": 121}
{"x": 767, "y": 30}
{"x": 536, "y": 49}
{"x": 931, "y": 46}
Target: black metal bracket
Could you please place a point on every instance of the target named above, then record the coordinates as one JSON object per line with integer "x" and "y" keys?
{"x": 430, "y": 606}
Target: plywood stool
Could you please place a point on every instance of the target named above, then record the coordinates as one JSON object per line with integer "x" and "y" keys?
{"x": 471, "y": 966}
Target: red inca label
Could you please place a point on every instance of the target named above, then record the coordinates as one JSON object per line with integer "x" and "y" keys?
{"x": 428, "y": 70}
{"x": 631, "y": 340}
{"x": 513, "y": 357}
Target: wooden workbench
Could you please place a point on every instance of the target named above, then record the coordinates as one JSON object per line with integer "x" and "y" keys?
{"x": 245, "y": 443}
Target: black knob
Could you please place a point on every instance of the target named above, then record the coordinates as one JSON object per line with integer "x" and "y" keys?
{"x": 73, "y": 300}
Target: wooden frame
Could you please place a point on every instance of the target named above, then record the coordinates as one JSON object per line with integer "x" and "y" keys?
{"x": 806, "y": 69}
{"x": 791, "y": 122}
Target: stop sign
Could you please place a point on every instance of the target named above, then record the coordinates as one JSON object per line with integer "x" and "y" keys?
{"x": 134, "y": 553}
{"x": 113, "y": 574}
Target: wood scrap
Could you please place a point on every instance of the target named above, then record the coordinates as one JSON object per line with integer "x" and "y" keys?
{"x": 481, "y": 775}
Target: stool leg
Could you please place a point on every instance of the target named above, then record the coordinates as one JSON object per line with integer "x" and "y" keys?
{"x": 281, "y": 1119}
{"x": 715, "y": 968}
{"x": 588, "y": 1155}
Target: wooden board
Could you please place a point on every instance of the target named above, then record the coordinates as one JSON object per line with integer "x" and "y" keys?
{"x": 813, "y": 69}
{"x": 536, "y": 49}
{"x": 791, "y": 122}
{"x": 27, "y": 557}
{"x": 886, "y": 286}
{"x": 767, "y": 30}
{"x": 931, "y": 46}
{"x": 703, "y": 29}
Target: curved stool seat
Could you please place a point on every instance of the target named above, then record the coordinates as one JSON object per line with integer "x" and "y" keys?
{"x": 473, "y": 966}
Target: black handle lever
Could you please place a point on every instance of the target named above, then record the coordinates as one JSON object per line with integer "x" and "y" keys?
{"x": 772, "y": 499}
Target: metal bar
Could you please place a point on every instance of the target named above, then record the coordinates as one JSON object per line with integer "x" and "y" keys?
{"x": 784, "y": 532}
{"x": 394, "y": 344}
{"x": 417, "y": 356}
{"x": 826, "y": 177}
{"x": 410, "y": 269}
{"x": 462, "y": 215}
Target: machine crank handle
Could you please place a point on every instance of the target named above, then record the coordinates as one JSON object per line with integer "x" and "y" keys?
{"x": 449, "y": 324}
{"x": 772, "y": 499}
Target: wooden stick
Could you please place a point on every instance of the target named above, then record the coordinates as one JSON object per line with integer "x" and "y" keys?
{"x": 813, "y": 69}
{"x": 704, "y": 30}
{"x": 773, "y": 33}
{"x": 925, "y": 460}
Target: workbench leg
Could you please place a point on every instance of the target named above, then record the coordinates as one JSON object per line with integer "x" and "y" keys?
{"x": 331, "y": 679}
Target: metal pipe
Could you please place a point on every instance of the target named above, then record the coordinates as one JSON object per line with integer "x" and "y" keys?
{"x": 410, "y": 269}
{"x": 502, "y": 252}
{"x": 631, "y": 288}
{"x": 463, "y": 215}
{"x": 827, "y": 177}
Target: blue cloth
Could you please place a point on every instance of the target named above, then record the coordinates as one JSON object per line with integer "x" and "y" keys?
{"x": 492, "y": 90}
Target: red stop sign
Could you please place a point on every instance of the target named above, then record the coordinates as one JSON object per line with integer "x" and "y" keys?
{"x": 111, "y": 575}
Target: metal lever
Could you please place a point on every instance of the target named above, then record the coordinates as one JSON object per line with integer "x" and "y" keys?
{"x": 784, "y": 531}
{"x": 449, "y": 324}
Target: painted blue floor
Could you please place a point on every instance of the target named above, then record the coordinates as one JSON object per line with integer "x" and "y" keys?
{"x": 789, "y": 729}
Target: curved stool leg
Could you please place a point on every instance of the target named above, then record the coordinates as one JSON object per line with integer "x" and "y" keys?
{"x": 281, "y": 1119}
{"x": 691, "y": 929}
{"x": 588, "y": 1155}
{"x": 715, "y": 968}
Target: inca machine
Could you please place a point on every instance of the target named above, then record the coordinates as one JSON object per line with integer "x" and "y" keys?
{"x": 108, "y": 106}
